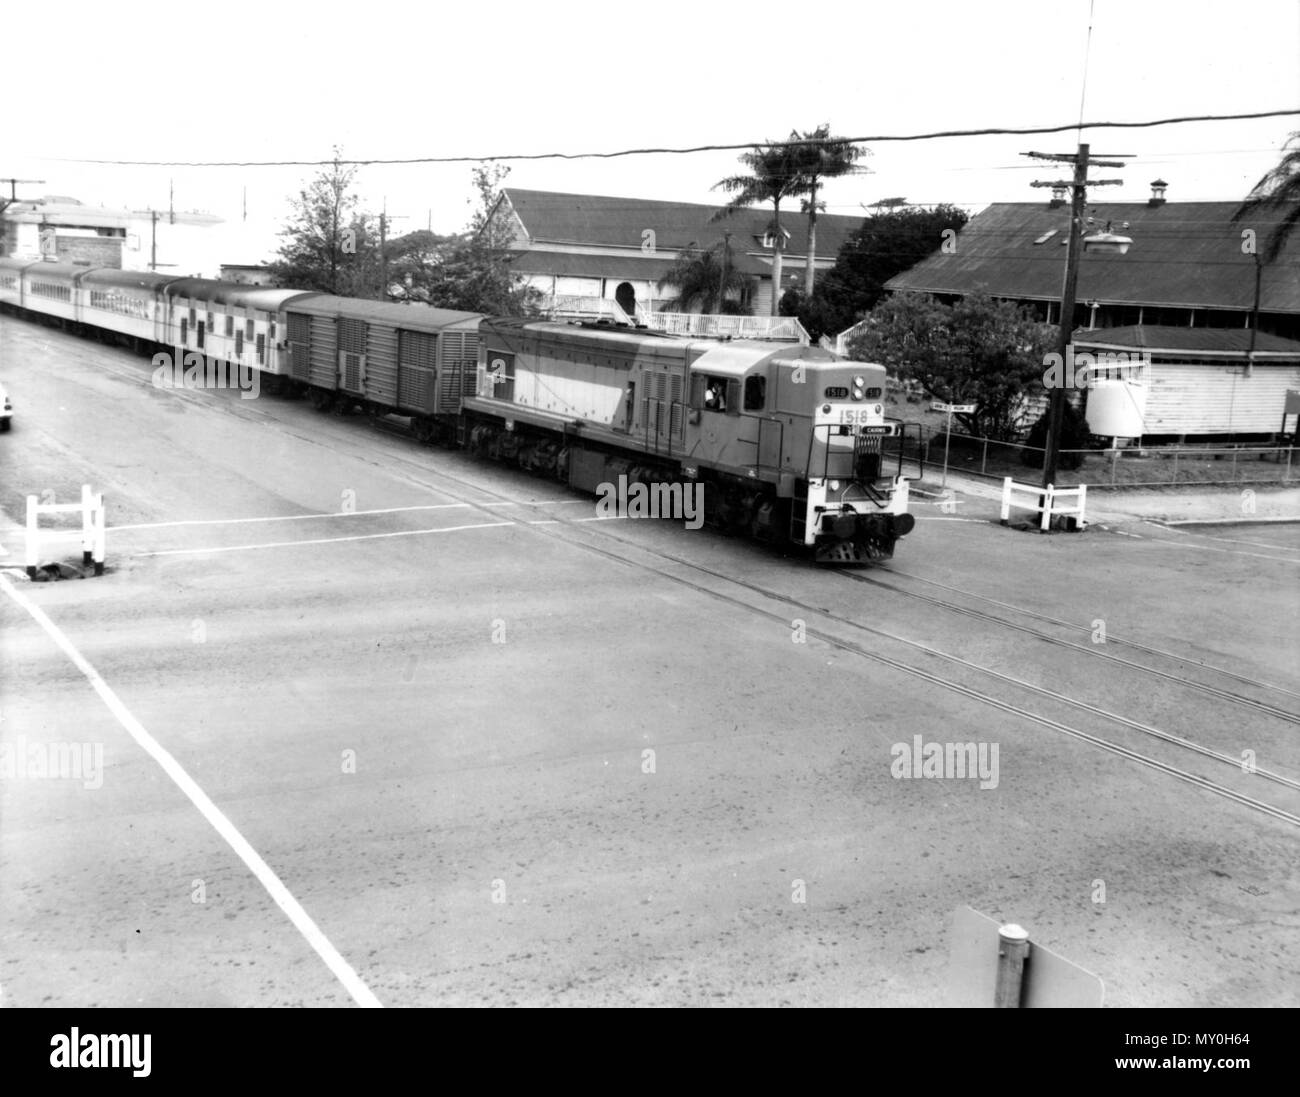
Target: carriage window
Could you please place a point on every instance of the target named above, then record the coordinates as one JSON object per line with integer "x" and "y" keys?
{"x": 755, "y": 392}
{"x": 230, "y": 325}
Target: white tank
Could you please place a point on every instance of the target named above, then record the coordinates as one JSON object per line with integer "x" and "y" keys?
{"x": 1117, "y": 408}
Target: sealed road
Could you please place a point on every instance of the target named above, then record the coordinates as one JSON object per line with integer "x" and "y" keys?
{"x": 455, "y": 742}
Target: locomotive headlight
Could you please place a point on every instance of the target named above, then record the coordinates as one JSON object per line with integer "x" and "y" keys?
{"x": 858, "y": 394}
{"x": 859, "y": 382}
{"x": 826, "y": 409}
{"x": 834, "y": 485}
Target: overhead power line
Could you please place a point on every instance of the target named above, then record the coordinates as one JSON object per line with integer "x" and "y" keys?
{"x": 866, "y": 139}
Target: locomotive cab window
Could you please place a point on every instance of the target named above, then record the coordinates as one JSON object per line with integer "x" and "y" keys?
{"x": 755, "y": 392}
{"x": 713, "y": 393}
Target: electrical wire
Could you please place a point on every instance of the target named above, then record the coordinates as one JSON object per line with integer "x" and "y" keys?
{"x": 870, "y": 138}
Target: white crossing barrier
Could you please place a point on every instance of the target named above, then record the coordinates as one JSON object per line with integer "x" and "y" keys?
{"x": 1045, "y": 500}
{"x": 92, "y": 532}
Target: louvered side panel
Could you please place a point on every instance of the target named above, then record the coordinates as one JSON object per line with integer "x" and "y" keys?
{"x": 299, "y": 345}
{"x": 381, "y": 364}
{"x": 352, "y": 350}
{"x": 324, "y": 360}
{"x": 459, "y": 352}
{"x": 417, "y": 371}
{"x": 678, "y": 415}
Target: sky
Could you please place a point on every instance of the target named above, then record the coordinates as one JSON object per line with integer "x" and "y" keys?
{"x": 274, "y": 80}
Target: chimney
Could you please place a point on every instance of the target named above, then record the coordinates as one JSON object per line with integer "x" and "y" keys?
{"x": 1058, "y": 198}
{"x": 1157, "y": 192}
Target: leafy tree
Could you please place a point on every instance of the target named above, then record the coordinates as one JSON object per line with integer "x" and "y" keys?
{"x": 978, "y": 351}
{"x": 1278, "y": 190}
{"x": 828, "y": 158}
{"x": 887, "y": 244}
{"x": 704, "y": 278}
{"x": 327, "y": 244}
{"x": 774, "y": 175}
{"x": 469, "y": 271}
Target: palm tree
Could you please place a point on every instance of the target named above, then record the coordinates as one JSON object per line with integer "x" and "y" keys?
{"x": 822, "y": 157}
{"x": 703, "y": 277}
{"x": 775, "y": 174}
{"x": 1279, "y": 189}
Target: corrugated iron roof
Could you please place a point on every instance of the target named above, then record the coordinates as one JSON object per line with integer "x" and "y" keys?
{"x": 408, "y": 316}
{"x": 1155, "y": 337}
{"x": 632, "y": 266}
{"x": 553, "y": 217}
{"x": 1185, "y": 254}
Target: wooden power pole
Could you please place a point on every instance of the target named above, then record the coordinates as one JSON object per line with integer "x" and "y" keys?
{"x": 1078, "y": 192}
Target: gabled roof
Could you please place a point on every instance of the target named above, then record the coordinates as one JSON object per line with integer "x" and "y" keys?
{"x": 550, "y": 217}
{"x": 611, "y": 265}
{"x": 1186, "y": 254}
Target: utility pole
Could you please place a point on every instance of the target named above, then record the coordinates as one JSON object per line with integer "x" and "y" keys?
{"x": 1078, "y": 189}
{"x": 722, "y": 283}
{"x": 5, "y": 203}
{"x": 383, "y": 250}
{"x": 1254, "y": 317}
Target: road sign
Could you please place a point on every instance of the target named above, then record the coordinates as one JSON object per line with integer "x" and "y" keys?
{"x": 953, "y": 409}
{"x": 1050, "y": 981}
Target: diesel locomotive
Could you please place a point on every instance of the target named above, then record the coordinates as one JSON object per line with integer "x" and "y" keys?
{"x": 790, "y": 443}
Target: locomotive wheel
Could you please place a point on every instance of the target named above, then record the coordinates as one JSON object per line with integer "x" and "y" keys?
{"x": 321, "y": 399}
{"x": 422, "y": 425}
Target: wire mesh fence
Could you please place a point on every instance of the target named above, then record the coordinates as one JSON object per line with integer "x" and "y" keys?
{"x": 1150, "y": 466}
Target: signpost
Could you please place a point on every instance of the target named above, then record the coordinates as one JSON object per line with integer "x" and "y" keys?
{"x": 959, "y": 409}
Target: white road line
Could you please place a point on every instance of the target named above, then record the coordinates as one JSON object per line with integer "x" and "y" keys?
{"x": 322, "y": 540}
{"x": 1210, "y": 548}
{"x": 935, "y": 518}
{"x": 343, "y": 514}
{"x": 266, "y": 876}
{"x": 281, "y": 517}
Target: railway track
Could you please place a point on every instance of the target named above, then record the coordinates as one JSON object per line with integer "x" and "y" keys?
{"x": 845, "y": 634}
{"x": 762, "y": 601}
{"x": 1088, "y": 649}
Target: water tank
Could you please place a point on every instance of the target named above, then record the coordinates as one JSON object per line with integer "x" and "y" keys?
{"x": 1117, "y": 408}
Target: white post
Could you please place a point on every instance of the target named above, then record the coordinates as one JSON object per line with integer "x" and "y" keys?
{"x": 32, "y": 534}
{"x": 1006, "y": 499}
{"x": 902, "y": 496}
{"x": 87, "y": 523}
{"x": 1047, "y": 509}
{"x": 947, "y": 441}
{"x": 1083, "y": 498}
